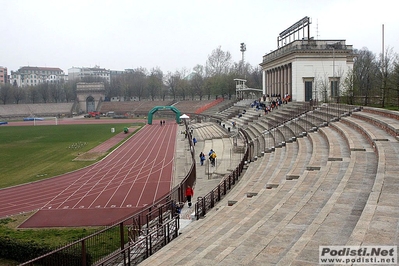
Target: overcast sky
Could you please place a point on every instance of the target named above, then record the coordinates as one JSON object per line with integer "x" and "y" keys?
{"x": 173, "y": 34}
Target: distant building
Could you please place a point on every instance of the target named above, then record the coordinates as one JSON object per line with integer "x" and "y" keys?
{"x": 32, "y": 76}
{"x": 80, "y": 73}
{"x": 305, "y": 68}
{"x": 3, "y": 75}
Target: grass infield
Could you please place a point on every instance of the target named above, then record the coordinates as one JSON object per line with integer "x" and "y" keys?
{"x": 32, "y": 153}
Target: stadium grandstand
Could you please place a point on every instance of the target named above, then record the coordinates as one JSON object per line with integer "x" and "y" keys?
{"x": 311, "y": 175}
{"x": 129, "y": 108}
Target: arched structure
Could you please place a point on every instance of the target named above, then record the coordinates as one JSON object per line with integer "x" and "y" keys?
{"x": 90, "y": 104}
{"x": 89, "y": 96}
{"x": 157, "y": 108}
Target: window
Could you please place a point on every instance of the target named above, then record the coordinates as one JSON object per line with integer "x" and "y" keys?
{"x": 308, "y": 84}
{"x": 334, "y": 87}
{"x": 308, "y": 90}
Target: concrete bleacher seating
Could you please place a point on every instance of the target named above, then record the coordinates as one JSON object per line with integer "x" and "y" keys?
{"x": 132, "y": 107}
{"x": 335, "y": 185}
{"x": 10, "y": 111}
{"x": 208, "y": 130}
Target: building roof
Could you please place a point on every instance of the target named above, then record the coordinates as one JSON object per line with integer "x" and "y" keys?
{"x": 25, "y": 68}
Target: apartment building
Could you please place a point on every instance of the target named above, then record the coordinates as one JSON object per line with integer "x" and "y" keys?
{"x": 3, "y": 75}
{"x": 89, "y": 72}
{"x": 32, "y": 76}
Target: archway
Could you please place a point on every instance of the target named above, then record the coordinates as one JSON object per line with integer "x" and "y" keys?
{"x": 90, "y": 104}
{"x": 89, "y": 96}
{"x": 156, "y": 108}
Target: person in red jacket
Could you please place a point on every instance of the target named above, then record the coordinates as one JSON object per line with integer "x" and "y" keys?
{"x": 189, "y": 195}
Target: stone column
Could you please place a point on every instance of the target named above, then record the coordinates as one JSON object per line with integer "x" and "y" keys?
{"x": 264, "y": 78}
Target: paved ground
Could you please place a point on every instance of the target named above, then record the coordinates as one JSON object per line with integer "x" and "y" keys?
{"x": 207, "y": 177}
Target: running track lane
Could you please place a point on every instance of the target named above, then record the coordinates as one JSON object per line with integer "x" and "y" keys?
{"x": 128, "y": 179}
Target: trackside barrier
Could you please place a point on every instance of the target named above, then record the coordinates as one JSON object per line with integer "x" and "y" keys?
{"x": 131, "y": 240}
{"x": 209, "y": 105}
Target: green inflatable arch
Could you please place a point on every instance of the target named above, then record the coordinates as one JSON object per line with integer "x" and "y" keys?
{"x": 156, "y": 108}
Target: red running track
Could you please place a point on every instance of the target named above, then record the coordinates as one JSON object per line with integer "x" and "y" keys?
{"x": 131, "y": 177}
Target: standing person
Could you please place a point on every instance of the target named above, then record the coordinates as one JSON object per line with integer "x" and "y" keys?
{"x": 189, "y": 195}
{"x": 210, "y": 152}
{"x": 202, "y": 158}
{"x": 194, "y": 141}
{"x": 212, "y": 157}
{"x": 161, "y": 122}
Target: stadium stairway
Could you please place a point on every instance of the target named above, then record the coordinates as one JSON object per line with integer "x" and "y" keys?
{"x": 207, "y": 177}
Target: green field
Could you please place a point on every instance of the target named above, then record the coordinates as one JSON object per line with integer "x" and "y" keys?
{"x": 31, "y": 153}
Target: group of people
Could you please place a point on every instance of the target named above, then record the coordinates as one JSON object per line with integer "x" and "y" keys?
{"x": 162, "y": 122}
{"x": 268, "y": 103}
{"x": 211, "y": 156}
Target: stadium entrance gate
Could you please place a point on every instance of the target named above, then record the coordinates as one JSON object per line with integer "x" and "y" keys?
{"x": 89, "y": 96}
{"x": 156, "y": 108}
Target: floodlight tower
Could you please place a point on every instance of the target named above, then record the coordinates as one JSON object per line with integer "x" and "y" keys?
{"x": 243, "y": 48}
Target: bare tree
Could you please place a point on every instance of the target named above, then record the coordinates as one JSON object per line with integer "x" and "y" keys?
{"x": 127, "y": 84}
{"x": 254, "y": 77}
{"x": 56, "y": 92}
{"x": 183, "y": 83}
{"x": 395, "y": 79}
{"x": 5, "y": 93}
{"x": 139, "y": 82}
{"x": 348, "y": 87}
{"x": 364, "y": 70}
{"x": 386, "y": 65}
{"x": 198, "y": 81}
{"x": 155, "y": 82}
{"x": 18, "y": 94}
{"x": 208, "y": 87}
{"x": 172, "y": 81}
{"x": 69, "y": 90}
{"x": 43, "y": 90}
{"x": 33, "y": 94}
{"x": 218, "y": 62}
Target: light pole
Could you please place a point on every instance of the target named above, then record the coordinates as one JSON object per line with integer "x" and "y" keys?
{"x": 243, "y": 48}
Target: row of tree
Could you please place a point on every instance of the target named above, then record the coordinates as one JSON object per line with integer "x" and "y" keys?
{"x": 374, "y": 80}
{"x": 215, "y": 78}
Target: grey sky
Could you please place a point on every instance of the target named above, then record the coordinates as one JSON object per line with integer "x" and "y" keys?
{"x": 176, "y": 34}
